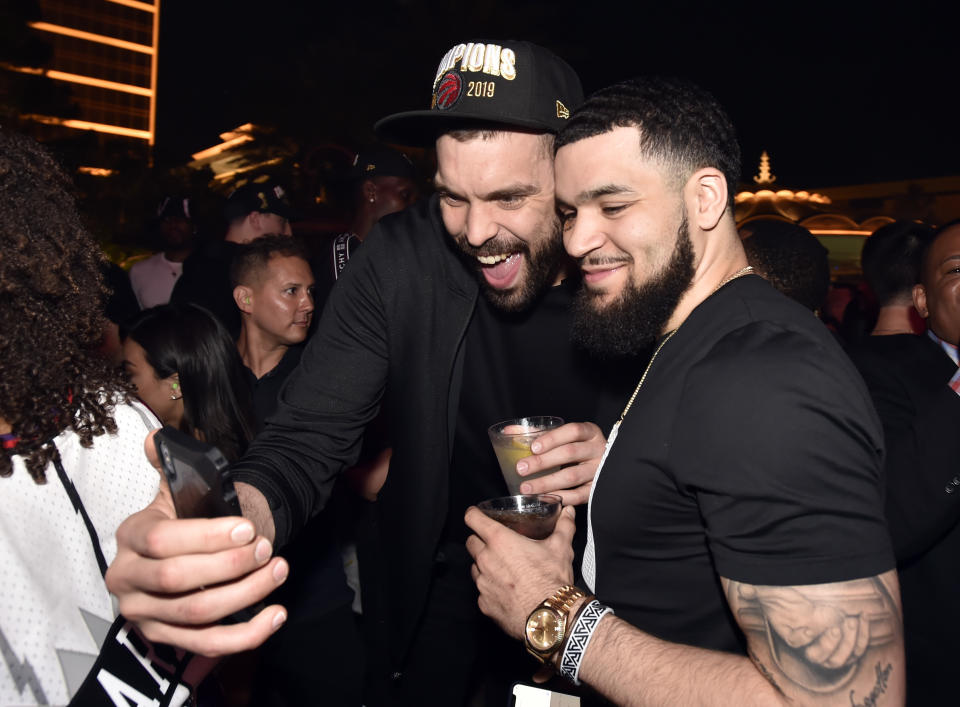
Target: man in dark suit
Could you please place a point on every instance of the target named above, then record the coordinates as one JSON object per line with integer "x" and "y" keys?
{"x": 913, "y": 380}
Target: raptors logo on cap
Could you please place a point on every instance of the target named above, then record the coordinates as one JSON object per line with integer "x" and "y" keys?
{"x": 449, "y": 90}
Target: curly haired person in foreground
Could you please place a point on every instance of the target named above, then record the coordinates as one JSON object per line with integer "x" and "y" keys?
{"x": 72, "y": 455}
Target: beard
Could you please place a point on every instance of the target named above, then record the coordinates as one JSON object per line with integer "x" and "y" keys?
{"x": 541, "y": 264}
{"x": 637, "y": 317}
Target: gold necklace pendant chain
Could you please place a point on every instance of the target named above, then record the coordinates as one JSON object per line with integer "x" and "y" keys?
{"x": 739, "y": 273}
{"x": 645, "y": 372}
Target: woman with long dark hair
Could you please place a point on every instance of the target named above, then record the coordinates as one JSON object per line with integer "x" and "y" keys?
{"x": 186, "y": 368}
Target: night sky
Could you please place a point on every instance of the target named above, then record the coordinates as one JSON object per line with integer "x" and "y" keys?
{"x": 838, "y": 94}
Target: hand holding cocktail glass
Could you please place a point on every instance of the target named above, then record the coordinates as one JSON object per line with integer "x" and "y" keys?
{"x": 537, "y": 448}
{"x": 562, "y": 460}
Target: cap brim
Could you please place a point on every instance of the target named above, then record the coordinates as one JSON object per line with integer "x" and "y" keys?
{"x": 420, "y": 128}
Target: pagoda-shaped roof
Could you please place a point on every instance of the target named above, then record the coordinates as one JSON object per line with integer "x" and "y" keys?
{"x": 770, "y": 200}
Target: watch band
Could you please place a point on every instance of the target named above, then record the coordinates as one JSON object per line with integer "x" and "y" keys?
{"x": 578, "y": 638}
{"x": 563, "y": 598}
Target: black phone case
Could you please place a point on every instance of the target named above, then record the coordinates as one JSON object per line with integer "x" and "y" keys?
{"x": 200, "y": 486}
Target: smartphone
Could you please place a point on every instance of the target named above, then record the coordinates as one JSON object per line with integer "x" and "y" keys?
{"x": 200, "y": 486}
{"x": 529, "y": 696}
{"x": 197, "y": 475}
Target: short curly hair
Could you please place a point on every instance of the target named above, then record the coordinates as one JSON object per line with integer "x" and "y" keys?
{"x": 791, "y": 258}
{"x": 51, "y": 312}
{"x": 681, "y": 126}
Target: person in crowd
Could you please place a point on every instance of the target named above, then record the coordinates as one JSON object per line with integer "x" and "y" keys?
{"x": 153, "y": 279}
{"x": 914, "y": 382}
{"x": 384, "y": 182}
{"x": 186, "y": 368}
{"x": 273, "y": 290}
{"x": 71, "y": 455}
{"x": 890, "y": 261}
{"x": 121, "y": 309}
{"x": 790, "y": 258}
{"x": 452, "y": 316}
{"x": 736, "y": 524}
{"x": 251, "y": 211}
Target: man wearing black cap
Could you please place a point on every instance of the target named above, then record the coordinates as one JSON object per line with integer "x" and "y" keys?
{"x": 385, "y": 182}
{"x": 406, "y": 333}
{"x": 153, "y": 279}
{"x": 252, "y": 210}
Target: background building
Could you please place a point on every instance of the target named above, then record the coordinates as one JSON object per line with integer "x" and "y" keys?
{"x": 104, "y": 53}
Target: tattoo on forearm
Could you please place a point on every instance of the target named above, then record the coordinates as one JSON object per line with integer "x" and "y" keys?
{"x": 879, "y": 688}
{"x": 817, "y": 635}
{"x": 764, "y": 670}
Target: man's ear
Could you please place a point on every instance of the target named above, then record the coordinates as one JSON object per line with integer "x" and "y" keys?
{"x": 369, "y": 191}
{"x": 243, "y": 297}
{"x": 707, "y": 190}
{"x": 920, "y": 300}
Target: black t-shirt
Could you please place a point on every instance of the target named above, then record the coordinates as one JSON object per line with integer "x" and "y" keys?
{"x": 751, "y": 452}
{"x": 267, "y": 388}
{"x": 519, "y": 365}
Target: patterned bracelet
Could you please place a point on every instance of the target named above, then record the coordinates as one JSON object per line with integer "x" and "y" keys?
{"x": 583, "y": 627}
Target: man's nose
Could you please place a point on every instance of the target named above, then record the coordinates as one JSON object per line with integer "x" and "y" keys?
{"x": 481, "y": 226}
{"x": 582, "y": 235}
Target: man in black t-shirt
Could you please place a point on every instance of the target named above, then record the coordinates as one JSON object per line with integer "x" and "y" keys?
{"x": 273, "y": 292}
{"x": 384, "y": 182}
{"x": 739, "y": 507}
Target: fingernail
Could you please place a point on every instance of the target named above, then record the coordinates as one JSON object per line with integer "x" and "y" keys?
{"x": 281, "y": 571}
{"x": 536, "y": 447}
{"x": 521, "y": 467}
{"x": 525, "y": 488}
{"x": 263, "y": 551}
{"x": 279, "y": 619}
{"x": 242, "y": 534}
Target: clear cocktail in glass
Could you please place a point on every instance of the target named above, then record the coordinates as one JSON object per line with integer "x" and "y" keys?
{"x": 511, "y": 441}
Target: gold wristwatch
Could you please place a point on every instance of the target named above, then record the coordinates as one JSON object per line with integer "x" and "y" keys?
{"x": 548, "y": 624}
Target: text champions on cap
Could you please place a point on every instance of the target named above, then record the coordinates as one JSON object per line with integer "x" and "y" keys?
{"x": 490, "y": 59}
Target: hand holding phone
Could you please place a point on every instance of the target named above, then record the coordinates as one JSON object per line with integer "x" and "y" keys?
{"x": 200, "y": 486}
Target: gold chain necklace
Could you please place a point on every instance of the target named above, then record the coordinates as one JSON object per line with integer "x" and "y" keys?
{"x": 739, "y": 273}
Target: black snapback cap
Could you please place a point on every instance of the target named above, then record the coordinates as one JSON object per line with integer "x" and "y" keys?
{"x": 266, "y": 197}
{"x": 510, "y": 83}
{"x": 382, "y": 162}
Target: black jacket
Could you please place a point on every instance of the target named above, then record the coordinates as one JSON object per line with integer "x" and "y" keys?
{"x": 390, "y": 335}
{"x": 907, "y": 376}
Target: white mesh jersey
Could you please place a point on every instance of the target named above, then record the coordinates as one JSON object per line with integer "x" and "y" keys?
{"x": 54, "y": 606}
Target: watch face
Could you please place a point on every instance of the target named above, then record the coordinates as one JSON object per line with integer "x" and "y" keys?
{"x": 544, "y": 630}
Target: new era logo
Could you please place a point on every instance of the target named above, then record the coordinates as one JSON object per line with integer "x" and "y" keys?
{"x": 562, "y": 111}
